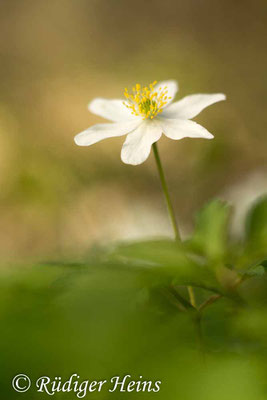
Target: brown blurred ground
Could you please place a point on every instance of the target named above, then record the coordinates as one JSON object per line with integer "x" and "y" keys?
{"x": 57, "y": 198}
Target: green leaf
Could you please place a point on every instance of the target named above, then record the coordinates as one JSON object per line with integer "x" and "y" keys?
{"x": 258, "y": 270}
{"x": 210, "y": 236}
{"x": 256, "y": 229}
{"x": 166, "y": 259}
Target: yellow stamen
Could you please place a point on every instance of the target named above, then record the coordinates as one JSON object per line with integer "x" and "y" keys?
{"x": 145, "y": 101}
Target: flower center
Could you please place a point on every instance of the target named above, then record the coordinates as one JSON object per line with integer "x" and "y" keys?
{"x": 145, "y": 101}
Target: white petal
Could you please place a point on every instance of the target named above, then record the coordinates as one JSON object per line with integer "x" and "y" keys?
{"x": 103, "y": 131}
{"x": 114, "y": 110}
{"x": 172, "y": 87}
{"x": 137, "y": 145}
{"x": 190, "y": 106}
{"x": 180, "y": 128}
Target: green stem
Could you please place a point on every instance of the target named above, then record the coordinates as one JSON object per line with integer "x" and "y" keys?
{"x": 166, "y": 193}
{"x": 192, "y": 296}
{"x": 171, "y": 211}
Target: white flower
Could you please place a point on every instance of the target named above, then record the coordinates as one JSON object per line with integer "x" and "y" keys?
{"x": 145, "y": 115}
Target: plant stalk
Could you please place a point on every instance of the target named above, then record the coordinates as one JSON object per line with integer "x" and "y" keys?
{"x": 166, "y": 193}
{"x": 171, "y": 211}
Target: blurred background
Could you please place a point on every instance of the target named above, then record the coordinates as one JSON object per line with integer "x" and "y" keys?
{"x": 59, "y": 199}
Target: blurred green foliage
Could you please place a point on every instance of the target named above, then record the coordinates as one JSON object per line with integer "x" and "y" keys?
{"x": 125, "y": 310}
{"x": 256, "y": 232}
{"x": 210, "y": 237}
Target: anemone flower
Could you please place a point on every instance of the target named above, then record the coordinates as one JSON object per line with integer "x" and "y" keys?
{"x": 146, "y": 114}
